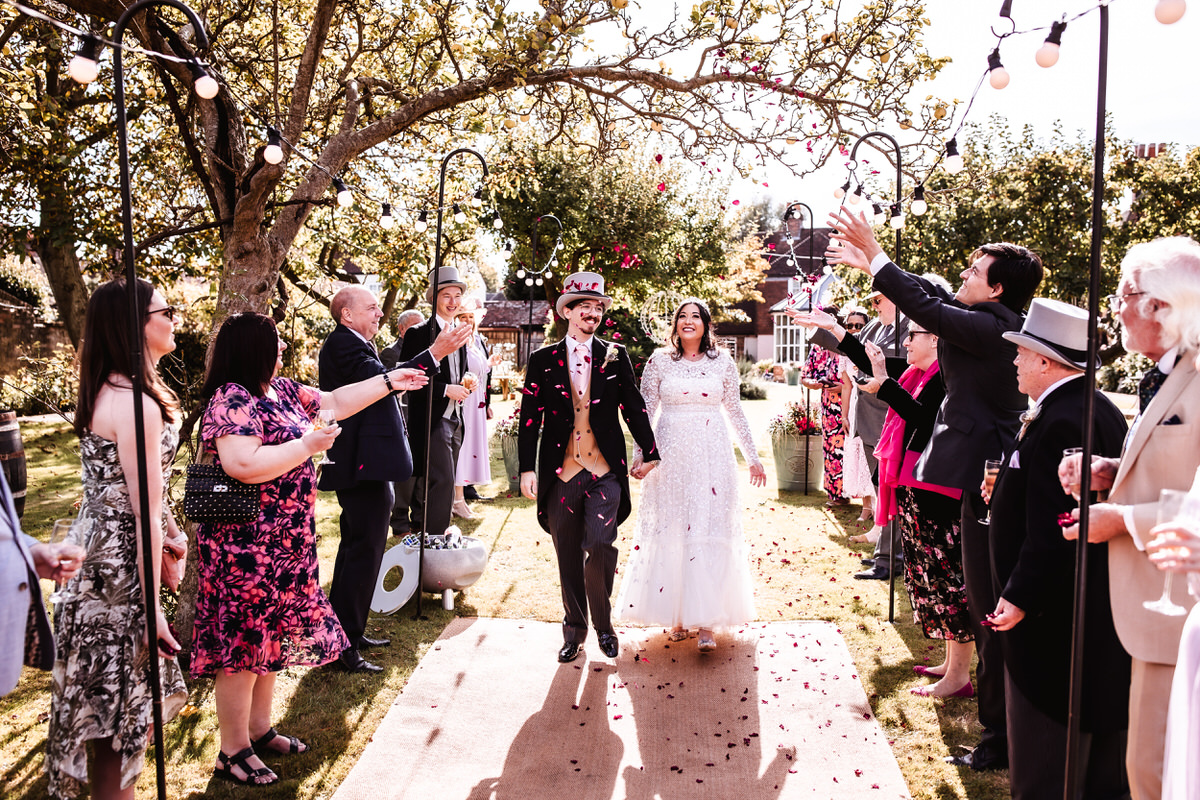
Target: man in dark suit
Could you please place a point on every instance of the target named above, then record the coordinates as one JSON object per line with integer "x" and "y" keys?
{"x": 438, "y": 434}
{"x": 978, "y": 418}
{"x": 368, "y": 455}
{"x": 573, "y": 392}
{"x": 1034, "y": 569}
{"x": 390, "y": 356}
{"x": 25, "y": 637}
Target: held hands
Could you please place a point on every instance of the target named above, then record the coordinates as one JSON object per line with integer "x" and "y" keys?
{"x": 758, "y": 475}
{"x": 641, "y": 470}
{"x": 858, "y": 246}
{"x": 529, "y": 485}
{"x": 408, "y": 380}
{"x": 57, "y": 562}
{"x": 457, "y": 393}
{"x": 449, "y": 340}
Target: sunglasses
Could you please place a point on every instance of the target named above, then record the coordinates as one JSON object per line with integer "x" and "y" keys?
{"x": 876, "y": 301}
{"x": 854, "y": 326}
{"x": 914, "y": 334}
{"x": 170, "y": 311}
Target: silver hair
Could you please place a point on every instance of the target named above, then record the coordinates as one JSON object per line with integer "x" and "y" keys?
{"x": 1167, "y": 272}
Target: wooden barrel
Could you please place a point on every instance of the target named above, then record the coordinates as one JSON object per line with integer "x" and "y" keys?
{"x": 12, "y": 458}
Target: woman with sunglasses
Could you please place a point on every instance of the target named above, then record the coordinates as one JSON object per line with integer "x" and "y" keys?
{"x": 100, "y": 693}
{"x": 822, "y": 371}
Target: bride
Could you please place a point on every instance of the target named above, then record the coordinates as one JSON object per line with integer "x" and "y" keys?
{"x": 689, "y": 567}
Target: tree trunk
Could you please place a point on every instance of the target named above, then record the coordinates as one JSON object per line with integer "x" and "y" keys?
{"x": 55, "y": 246}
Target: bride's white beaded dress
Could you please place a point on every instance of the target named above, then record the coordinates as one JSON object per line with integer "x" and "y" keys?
{"x": 688, "y": 566}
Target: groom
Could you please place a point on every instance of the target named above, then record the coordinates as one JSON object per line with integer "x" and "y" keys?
{"x": 573, "y": 390}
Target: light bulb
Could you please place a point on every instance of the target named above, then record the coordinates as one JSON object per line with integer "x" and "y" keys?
{"x": 897, "y": 219}
{"x": 1047, "y": 54}
{"x": 1168, "y": 12}
{"x": 497, "y": 223}
{"x": 539, "y": 281}
{"x": 791, "y": 262}
{"x": 345, "y": 198}
{"x": 840, "y": 192}
{"x": 386, "y": 220}
{"x": 459, "y": 215}
{"x": 477, "y": 199}
{"x": 422, "y": 222}
{"x": 857, "y": 197}
{"x": 84, "y": 67}
{"x": 997, "y": 75}
{"x": 273, "y": 152}
{"x": 880, "y": 216}
{"x": 520, "y": 273}
{"x": 828, "y": 270}
{"x": 918, "y": 206}
{"x": 954, "y": 162}
{"x": 548, "y": 274}
{"x": 206, "y": 85}
{"x": 529, "y": 281}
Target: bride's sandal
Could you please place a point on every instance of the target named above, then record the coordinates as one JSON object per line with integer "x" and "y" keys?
{"x": 705, "y": 642}
{"x": 677, "y": 634}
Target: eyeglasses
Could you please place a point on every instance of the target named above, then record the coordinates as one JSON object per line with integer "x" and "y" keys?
{"x": 170, "y": 311}
{"x": 876, "y": 301}
{"x": 1116, "y": 302}
{"x": 913, "y": 334}
{"x": 854, "y": 326}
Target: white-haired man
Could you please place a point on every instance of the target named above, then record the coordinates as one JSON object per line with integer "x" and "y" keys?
{"x": 1158, "y": 304}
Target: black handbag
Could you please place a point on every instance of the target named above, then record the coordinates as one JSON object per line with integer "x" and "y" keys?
{"x": 209, "y": 495}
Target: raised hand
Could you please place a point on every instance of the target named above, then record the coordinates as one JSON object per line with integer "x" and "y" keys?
{"x": 854, "y": 231}
{"x": 449, "y": 340}
{"x": 407, "y": 380}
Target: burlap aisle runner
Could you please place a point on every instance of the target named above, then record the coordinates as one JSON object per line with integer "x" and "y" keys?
{"x": 489, "y": 713}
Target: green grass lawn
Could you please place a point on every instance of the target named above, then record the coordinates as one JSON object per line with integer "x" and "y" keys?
{"x": 799, "y": 556}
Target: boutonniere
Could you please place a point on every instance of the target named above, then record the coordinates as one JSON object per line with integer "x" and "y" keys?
{"x": 610, "y": 356}
{"x": 1027, "y": 419}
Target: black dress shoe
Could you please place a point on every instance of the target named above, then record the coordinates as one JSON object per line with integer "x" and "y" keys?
{"x": 868, "y": 562}
{"x": 352, "y": 661}
{"x": 569, "y": 652}
{"x": 470, "y": 493}
{"x": 366, "y": 641}
{"x": 609, "y": 644}
{"x": 877, "y": 573}
{"x": 978, "y": 764}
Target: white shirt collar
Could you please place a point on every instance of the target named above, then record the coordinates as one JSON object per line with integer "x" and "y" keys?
{"x": 572, "y": 342}
{"x": 1041, "y": 400}
{"x": 443, "y": 323}
{"x": 1166, "y": 364}
{"x": 356, "y": 333}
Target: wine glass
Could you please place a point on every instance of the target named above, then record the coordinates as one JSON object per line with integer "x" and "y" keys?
{"x": 991, "y": 468}
{"x": 325, "y": 418}
{"x": 1074, "y": 470}
{"x": 470, "y": 381}
{"x": 69, "y": 532}
{"x": 1171, "y": 508}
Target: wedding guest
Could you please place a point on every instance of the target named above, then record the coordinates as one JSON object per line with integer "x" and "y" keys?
{"x": 857, "y": 478}
{"x": 822, "y": 371}
{"x": 689, "y": 567}
{"x": 979, "y": 417}
{"x": 100, "y": 695}
{"x": 390, "y": 357}
{"x": 1035, "y": 576}
{"x": 259, "y": 606}
{"x": 1158, "y": 305}
{"x": 474, "y": 455}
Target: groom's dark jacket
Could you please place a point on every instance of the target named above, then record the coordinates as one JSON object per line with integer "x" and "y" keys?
{"x": 547, "y": 409}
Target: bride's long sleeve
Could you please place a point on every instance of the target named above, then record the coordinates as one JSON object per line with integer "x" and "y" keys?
{"x": 651, "y": 378}
{"x": 732, "y": 400}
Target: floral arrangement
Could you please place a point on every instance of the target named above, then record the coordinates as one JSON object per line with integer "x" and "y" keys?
{"x": 510, "y": 425}
{"x": 796, "y": 420}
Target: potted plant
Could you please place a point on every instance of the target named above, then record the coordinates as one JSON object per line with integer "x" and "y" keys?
{"x": 796, "y": 444}
{"x": 506, "y": 433}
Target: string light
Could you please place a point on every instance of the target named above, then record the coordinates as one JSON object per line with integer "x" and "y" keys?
{"x": 345, "y": 198}
{"x": 460, "y": 216}
{"x": 1047, "y": 54}
{"x": 897, "y": 219}
{"x": 422, "y": 222}
{"x": 206, "y": 85}
{"x": 840, "y": 192}
{"x": 477, "y": 199}
{"x": 954, "y": 162}
{"x": 918, "y": 206}
{"x": 497, "y": 222}
{"x": 520, "y": 274}
{"x": 880, "y": 217}
{"x": 998, "y": 76}
{"x": 1168, "y": 12}
{"x": 273, "y": 152}
{"x": 85, "y": 66}
{"x": 386, "y": 220}
{"x": 857, "y": 197}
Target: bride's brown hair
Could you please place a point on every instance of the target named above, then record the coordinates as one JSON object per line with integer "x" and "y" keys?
{"x": 706, "y": 341}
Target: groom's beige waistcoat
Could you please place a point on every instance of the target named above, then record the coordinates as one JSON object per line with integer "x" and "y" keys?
{"x": 582, "y": 450}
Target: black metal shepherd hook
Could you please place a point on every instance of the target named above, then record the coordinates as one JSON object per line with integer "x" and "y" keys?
{"x": 136, "y": 324}
{"x": 537, "y": 276}
{"x": 787, "y": 214}
{"x": 434, "y": 282}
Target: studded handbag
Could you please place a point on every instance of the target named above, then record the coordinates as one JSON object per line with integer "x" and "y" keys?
{"x": 209, "y": 495}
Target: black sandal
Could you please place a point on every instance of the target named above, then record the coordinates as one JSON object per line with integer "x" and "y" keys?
{"x": 241, "y": 760}
{"x": 260, "y": 744}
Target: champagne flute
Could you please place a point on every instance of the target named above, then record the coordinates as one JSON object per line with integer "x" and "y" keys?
{"x": 325, "y": 418}
{"x": 69, "y": 533}
{"x": 991, "y": 468}
{"x": 1074, "y": 470}
{"x": 1171, "y": 508}
{"x": 470, "y": 381}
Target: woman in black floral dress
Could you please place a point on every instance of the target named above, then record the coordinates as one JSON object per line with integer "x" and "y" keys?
{"x": 101, "y": 685}
{"x": 260, "y": 607}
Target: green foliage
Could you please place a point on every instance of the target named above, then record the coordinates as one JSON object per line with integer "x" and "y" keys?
{"x": 17, "y": 281}
{"x": 45, "y": 384}
{"x": 797, "y": 419}
{"x": 623, "y": 326}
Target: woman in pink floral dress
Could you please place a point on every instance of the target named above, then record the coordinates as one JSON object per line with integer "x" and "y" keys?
{"x": 260, "y": 607}
{"x": 823, "y": 371}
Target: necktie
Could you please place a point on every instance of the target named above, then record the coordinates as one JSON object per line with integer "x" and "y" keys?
{"x": 1151, "y": 382}
{"x": 583, "y": 366}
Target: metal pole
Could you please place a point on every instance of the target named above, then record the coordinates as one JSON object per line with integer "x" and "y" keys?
{"x": 1085, "y": 488}
{"x": 136, "y": 326}
{"x": 435, "y": 281}
{"x": 787, "y": 214}
{"x": 891, "y": 526}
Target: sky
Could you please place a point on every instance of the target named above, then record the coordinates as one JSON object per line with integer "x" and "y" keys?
{"x": 1153, "y": 84}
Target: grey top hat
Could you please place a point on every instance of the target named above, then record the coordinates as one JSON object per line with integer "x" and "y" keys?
{"x": 1056, "y": 330}
{"x": 447, "y": 276}
{"x": 583, "y": 286}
